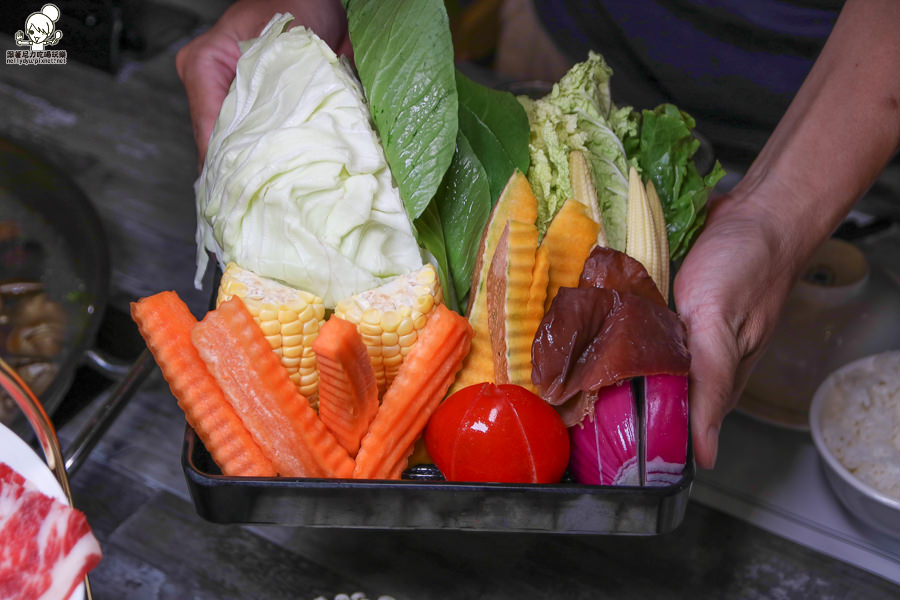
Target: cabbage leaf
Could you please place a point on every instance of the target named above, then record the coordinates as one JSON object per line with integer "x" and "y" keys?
{"x": 578, "y": 114}
{"x": 295, "y": 185}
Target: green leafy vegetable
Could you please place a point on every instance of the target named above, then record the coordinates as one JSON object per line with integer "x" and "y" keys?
{"x": 492, "y": 142}
{"x": 452, "y": 143}
{"x": 665, "y": 155}
{"x": 464, "y": 204}
{"x": 430, "y": 233}
{"x": 578, "y": 114}
{"x": 404, "y": 55}
{"x": 553, "y": 135}
{"x": 496, "y": 126}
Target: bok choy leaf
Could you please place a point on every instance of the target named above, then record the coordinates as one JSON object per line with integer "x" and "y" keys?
{"x": 464, "y": 204}
{"x": 404, "y": 55}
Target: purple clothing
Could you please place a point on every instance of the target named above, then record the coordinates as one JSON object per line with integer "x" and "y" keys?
{"x": 733, "y": 64}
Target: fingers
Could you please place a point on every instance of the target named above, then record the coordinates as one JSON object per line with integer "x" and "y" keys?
{"x": 345, "y": 47}
{"x": 206, "y": 67}
{"x": 207, "y": 64}
{"x": 205, "y": 105}
{"x": 714, "y": 361}
{"x": 729, "y": 291}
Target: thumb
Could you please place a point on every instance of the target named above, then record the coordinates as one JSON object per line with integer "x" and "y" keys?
{"x": 714, "y": 360}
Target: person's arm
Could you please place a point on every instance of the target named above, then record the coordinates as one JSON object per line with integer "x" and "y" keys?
{"x": 835, "y": 138}
{"x": 207, "y": 64}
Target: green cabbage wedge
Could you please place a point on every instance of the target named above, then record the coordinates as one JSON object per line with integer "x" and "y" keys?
{"x": 295, "y": 185}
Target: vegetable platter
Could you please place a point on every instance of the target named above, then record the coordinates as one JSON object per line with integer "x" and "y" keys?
{"x": 439, "y": 305}
{"x": 412, "y": 504}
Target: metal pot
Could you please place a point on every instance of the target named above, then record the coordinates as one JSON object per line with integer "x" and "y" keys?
{"x": 71, "y": 234}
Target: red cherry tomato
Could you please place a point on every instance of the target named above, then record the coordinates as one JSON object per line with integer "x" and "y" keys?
{"x": 502, "y": 433}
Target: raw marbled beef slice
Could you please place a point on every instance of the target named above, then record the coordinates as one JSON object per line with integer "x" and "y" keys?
{"x": 46, "y": 547}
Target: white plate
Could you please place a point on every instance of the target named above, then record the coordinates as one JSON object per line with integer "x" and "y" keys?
{"x": 19, "y": 455}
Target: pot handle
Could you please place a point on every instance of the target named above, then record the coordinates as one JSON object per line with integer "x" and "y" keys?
{"x": 107, "y": 412}
{"x": 107, "y": 364}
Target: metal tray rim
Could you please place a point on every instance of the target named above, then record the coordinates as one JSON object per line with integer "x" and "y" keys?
{"x": 225, "y": 499}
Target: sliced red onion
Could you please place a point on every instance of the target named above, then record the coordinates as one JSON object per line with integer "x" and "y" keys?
{"x": 666, "y": 428}
{"x": 604, "y": 449}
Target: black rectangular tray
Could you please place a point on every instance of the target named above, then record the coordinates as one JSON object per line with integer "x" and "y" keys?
{"x": 431, "y": 505}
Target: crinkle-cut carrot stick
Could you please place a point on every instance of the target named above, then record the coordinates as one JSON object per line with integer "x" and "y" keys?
{"x": 420, "y": 385}
{"x": 165, "y": 322}
{"x": 348, "y": 391}
{"x": 257, "y": 385}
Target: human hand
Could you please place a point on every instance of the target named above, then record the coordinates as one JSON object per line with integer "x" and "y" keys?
{"x": 815, "y": 165}
{"x": 207, "y": 64}
{"x": 729, "y": 292}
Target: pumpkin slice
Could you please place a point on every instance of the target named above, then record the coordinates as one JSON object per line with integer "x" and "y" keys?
{"x": 571, "y": 236}
{"x": 517, "y": 201}
{"x": 540, "y": 280}
{"x": 513, "y": 318}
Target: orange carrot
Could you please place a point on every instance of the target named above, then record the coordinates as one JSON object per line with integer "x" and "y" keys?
{"x": 281, "y": 420}
{"x": 348, "y": 392}
{"x": 165, "y": 322}
{"x": 420, "y": 385}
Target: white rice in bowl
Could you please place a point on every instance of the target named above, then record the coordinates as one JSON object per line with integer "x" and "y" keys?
{"x": 861, "y": 422}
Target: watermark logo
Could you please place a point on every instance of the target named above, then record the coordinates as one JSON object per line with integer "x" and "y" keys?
{"x": 40, "y": 32}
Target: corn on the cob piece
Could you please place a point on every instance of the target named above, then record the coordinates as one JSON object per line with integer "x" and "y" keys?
{"x": 643, "y": 240}
{"x": 390, "y": 317}
{"x": 583, "y": 191}
{"x": 289, "y": 318}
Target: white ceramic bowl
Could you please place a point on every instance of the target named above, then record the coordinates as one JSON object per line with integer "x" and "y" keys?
{"x": 869, "y": 505}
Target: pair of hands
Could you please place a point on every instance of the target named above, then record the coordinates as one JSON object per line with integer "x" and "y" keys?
{"x": 729, "y": 290}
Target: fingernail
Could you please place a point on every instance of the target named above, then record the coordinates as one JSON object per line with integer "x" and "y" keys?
{"x": 712, "y": 442}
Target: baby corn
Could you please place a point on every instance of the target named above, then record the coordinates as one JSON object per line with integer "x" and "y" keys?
{"x": 646, "y": 239}
{"x": 583, "y": 191}
{"x": 390, "y": 317}
{"x": 662, "y": 238}
{"x": 289, "y": 318}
